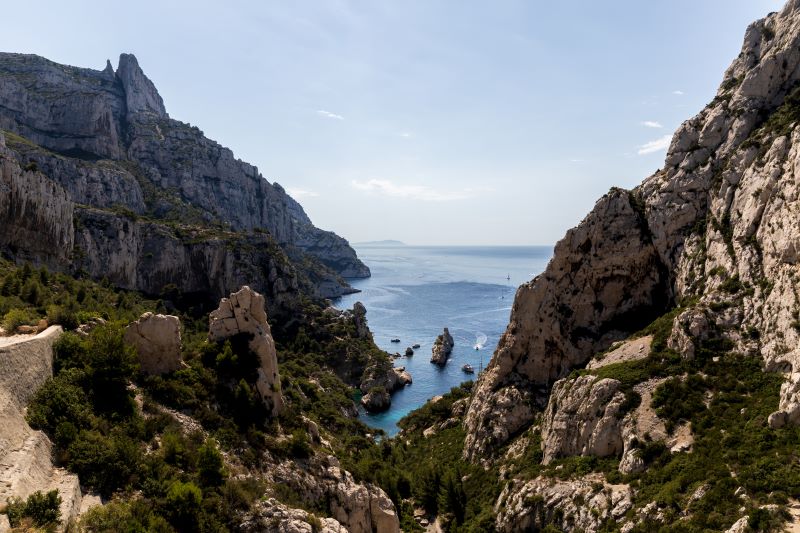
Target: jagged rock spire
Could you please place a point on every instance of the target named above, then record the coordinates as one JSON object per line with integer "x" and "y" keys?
{"x": 140, "y": 94}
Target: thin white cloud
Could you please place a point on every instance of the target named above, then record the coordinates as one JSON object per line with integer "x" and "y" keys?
{"x": 301, "y": 193}
{"x": 405, "y": 135}
{"x": 328, "y": 114}
{"x": 413, "y": 192}
{"x": 655, "y": 146}
{"x": 576, "y": 160}
{"x": 652, "y": 124}
{"x": 678, "y": 93}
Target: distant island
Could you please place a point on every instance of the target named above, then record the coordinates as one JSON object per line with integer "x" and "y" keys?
{"x": 387, "y": 242}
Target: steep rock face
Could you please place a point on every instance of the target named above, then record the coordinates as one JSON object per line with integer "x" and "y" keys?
{"x": 583, "y": 417}
{"x": 148, "y": 256}
{"x": 104, "y": 184}
{"x": 605, "y": 280}
{"x": 36, "y": 213}
{"x": 245, "y": 312}
{"x": 378, "y": 383}
{"x": 157, "y": 340}
{"x": 66, "y": 109}
{"x": 91, "y": 115}
{"x": 141, "y": 95}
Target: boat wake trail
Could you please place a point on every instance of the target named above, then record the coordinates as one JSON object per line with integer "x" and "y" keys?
{"x": 480, "y": 341}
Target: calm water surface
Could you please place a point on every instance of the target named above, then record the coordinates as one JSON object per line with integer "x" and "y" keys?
{"x": 415, "y": 291}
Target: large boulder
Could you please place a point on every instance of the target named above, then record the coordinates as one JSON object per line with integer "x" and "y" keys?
{"x": 157, "y": 340}
{"x": 442, "y": 348}
{"x": 244, "y": 312}
{"x": 376, "y": 400}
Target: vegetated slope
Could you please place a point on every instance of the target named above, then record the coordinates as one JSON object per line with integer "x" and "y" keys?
{"x": 106, "y": 139}
{"x": 195, "y": 449}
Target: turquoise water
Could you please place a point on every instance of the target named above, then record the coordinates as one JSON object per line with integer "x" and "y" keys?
{"x": 416, "y": 291}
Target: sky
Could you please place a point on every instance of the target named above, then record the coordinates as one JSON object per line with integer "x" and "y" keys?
{"x": 427, "y": 121}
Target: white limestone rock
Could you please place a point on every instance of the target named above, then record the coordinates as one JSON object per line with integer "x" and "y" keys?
{"x": 157, "y": 340}
{"x": 442, "y": 348}
{"x": 244, "y": 312}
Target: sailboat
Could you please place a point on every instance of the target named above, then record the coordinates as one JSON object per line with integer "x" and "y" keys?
{"x": 508, "y": 280}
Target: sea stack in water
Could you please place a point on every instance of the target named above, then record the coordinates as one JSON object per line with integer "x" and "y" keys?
{"x": 442, "y": 348}
{"x": 244, "y": 312}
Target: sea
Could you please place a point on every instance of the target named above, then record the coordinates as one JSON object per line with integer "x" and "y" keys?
{"x": 416, "y": 291}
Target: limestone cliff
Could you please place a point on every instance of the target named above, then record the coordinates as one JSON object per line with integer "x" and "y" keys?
{"x": 716, "y": 226}
{"x": 106, "y": 138}
{"x": 606, "y": 279}
{"x": 151, "y": 256}
{"x": 36, "y": 213}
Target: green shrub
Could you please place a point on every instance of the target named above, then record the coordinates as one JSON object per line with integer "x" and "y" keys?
{"x": 132, "y": 516}
{"x": 69, "y": 351}
{"x": 42, "y": 509}
{"x": 299, "y": 446}
{"x": 183, "y": 505}
{"x": 111, "y": 365}
{"x": 60, "y": 400}
{"x": 16, "y": 318}
{"x": 104, "y": 463}
{"x": 210, "y": 466}
{"x": 63, "y": 315}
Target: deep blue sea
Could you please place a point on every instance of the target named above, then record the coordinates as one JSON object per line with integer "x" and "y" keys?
{"x": 416, "y": 291}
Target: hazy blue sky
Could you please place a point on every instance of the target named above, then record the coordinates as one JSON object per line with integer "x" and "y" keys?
{"x": 429, "y": 121}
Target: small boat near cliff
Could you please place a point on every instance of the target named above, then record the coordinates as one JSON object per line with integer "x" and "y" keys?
{"x": 468, "y": 369}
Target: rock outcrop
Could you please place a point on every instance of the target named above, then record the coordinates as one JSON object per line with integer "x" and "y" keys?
{"x": 245, "y": 312}
{"x": 360, "y": 321}
{"x": 572, "y": 505}
{"x": 360, "y": 508}
{"x": 378, "y": 384}
{"x": 442, "y": 348}
{"x": 272, "y": 515}
{"x": 157, "y": 340}
{"x": 377, "y": 399}
{"x": 717, "y": 225}
{"x": 583, "y": 417}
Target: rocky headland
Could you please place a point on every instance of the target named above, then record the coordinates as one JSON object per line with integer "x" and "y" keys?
{"x": 118, "y": 182}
